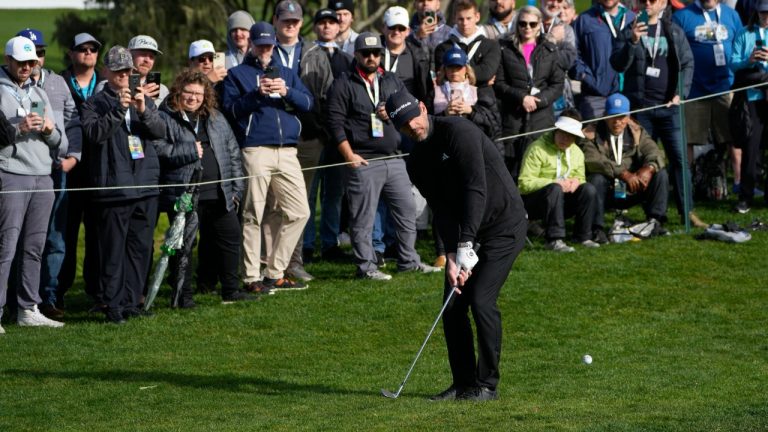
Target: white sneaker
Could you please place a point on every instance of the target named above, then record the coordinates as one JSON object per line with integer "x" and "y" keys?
{"x": 425, "y": 268}
{"x": 590, "y": 244}
{"x": 344, "y": 239}
{"x": 2, "y": 330}
{"x": 377, "y": 275}
{"x": 559, "y": 246}
{"x": 33, "y": 318}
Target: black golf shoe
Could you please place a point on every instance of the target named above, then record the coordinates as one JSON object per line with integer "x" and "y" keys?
{"x": 448, "y": 394}
{"x": 478, "y": 394}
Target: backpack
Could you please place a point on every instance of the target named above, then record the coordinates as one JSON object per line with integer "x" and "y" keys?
{"x": 709, "y": 181}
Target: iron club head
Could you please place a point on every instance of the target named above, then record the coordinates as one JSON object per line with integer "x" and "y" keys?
{"x": 389, "y": 394}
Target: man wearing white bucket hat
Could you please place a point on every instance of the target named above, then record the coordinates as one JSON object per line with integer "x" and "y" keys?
{"x": 553, "y": 183}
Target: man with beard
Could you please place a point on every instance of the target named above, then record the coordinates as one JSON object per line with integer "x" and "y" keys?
{"x": 501, "y": 20}
{"x": 360, "y": 127}
{"x": 462, "y": 175}
{"x": 144, "y": 51}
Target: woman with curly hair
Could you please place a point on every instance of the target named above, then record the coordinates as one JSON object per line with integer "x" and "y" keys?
{"x": 198, "y": 136}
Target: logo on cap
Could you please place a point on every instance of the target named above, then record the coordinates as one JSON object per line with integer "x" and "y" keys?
{"x": 394, "y": 113}
{"x": 339, "y": 4}
{"x": 371, "y": 40}
{"x": 617, "y": 103}
{"x": 32, "y": 36}
{"x": 27, "y": 48}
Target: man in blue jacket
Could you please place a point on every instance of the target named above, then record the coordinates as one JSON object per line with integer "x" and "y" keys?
{"x": 261, "y": 98}
{"x": 595, "y": 31}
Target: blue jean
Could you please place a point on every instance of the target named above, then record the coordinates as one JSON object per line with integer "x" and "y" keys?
{"x": 53, "y": 254}
{"x": 330, "y": 206}
{"x": 664, "y": 124}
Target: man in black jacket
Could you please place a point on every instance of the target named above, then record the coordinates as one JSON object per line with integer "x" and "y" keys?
{"x": 360, "y": 128}
{"x": 463, "y": 177}
{"x": 653, "y": 56}
{"x": 118, "y": 124}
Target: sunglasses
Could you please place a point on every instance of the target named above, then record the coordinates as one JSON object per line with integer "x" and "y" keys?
{"x": 204, "y": 58}
{"x": 86, "y": 50}
{"x": 397, "y": 28}
{"x": 40, "y": 53}
{"x": 529, "y": 24}
{"x": 30, "y": 63}
{"x": 368, "y": 53}
{"x": 648, "y": 1}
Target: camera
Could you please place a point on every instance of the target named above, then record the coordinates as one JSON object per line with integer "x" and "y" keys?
{"x": 429, "y": 17}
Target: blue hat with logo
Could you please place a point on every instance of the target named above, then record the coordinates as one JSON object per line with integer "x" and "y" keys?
{"x": 455, "y": 56}
{"x": 36, "y": 36}
{"x": 616, "y": 104}
{"x": 262, "y": 33}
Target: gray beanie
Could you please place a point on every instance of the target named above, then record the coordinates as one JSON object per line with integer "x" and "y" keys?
{"x": 240, "y": 19}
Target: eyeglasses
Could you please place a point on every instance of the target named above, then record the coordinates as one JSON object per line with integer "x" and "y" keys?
{"x": 85, "y": 50}
{"x": 30, "y": 63}
{"x": 40, "y": 53}
{"x": 198, "y": 95}
{"x": 529, "y": 24}
{"x": 204, "y": 58}
{"x": 397, "y": 28}
{"x": 648, "y": 1}
{"x": 368, "y": 53}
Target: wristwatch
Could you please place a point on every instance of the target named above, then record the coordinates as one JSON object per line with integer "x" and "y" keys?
{"x": 465, "y": 245}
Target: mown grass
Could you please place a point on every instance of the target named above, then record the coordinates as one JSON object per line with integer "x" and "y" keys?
{"x": 676, "y": 327}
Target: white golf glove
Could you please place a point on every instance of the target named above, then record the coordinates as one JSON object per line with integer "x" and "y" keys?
{"x": 466, "y": 258}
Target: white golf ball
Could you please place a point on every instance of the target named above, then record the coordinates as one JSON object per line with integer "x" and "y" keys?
{"x": 587, "y": 359}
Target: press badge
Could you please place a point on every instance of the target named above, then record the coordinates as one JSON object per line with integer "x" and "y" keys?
{"x": 652, "y": 72}
{"x": 134, "y": 145}
{"x": 535, "y": 91}
{"x": 377, "y": 126}
{"x": 719, "y": 54}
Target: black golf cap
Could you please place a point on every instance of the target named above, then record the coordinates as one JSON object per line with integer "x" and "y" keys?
{"x": 402, "y": 107}
{"x": 326, "y": 14}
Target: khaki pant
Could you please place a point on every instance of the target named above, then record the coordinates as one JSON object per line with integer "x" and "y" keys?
{"x": 309, "y": 152}
{"x": 275, "y": 171}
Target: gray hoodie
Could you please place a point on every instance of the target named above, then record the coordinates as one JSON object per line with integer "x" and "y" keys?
{"x": 30, "y": 154}
{"x": 65, "y": 114}
{"x": 238, "y": 19}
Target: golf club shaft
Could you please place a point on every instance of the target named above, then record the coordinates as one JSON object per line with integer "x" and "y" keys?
{"x": 418, "y": 354}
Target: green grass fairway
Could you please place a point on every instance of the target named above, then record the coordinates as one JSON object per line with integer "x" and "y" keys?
{"x": 676, "y": 327}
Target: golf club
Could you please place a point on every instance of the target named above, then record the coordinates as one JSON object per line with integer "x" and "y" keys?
{"x": 389, "y": 394}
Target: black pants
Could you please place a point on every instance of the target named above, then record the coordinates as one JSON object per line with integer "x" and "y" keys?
{"x": 126, "y": 232}
{"x": 496, "y": 254}
{"x": 654, "y": 198}
{"x": 78, "y": 211}
{"x": 222, "y": 235}
{"x": 553, "y": 206}
{"x": 752, "y": 149}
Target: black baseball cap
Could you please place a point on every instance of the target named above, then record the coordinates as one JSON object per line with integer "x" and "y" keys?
{"x": 402, "y": 107}
{"x": 325, "y": 13}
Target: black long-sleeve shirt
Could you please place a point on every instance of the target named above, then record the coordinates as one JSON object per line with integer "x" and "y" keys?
{"x": 462, "y": 175}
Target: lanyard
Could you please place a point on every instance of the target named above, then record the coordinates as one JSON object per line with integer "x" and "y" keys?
{"x": 706, "y": 12}
{"x": 287, "y": 62}
{"x": 373, "y": 94}
{"x": 41, "y": 81}
{"x": 84, "y": 93}
{"x": 330, "y": 44}
{"x": 186, "y": 119}
{"x": 560, "y": 165}
{"x": 652, "y": 51}
{"x": 12, "y": 91}
{"x": 473, "y": 50}
{"x": 617, "y": 146}
{"x": 609, "y": 20}
{"x": 387, "y": 59}
{"x": 128, "y": 120}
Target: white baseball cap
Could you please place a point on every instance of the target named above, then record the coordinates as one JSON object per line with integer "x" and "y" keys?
{"x": 569, "y": 125}
{"x": 143, "y": 42}
{"x": 396, "y": 15}
{"x": 21, "y": 49}
{"x": 199, "y": 47}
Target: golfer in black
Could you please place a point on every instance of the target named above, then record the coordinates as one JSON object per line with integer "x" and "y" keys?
{"x": 477, "y": 207}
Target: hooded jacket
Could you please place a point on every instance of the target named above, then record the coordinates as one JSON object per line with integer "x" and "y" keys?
{"x": 178, "y": 156}
{"x": 28, "y": 154}
{"x": 540, "y": 164}
{"x": 238, "y": 19}
{"x": 110, "y": 163}
{"x": 485, "y": 57}
{"x": 262, "y": 120}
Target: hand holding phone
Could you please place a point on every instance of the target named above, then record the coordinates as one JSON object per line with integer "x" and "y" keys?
{"x": 643, "y": 17}
{"x": 37, "y": 108}
{"x": 219, "y": 61}
{"x": 153, "y": 78}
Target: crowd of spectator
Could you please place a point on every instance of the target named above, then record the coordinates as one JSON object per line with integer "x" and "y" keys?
{"x": 254, "y": 119}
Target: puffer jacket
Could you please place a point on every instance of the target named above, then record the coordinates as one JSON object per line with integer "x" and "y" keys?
{"x": 178, "y": 156}
{"x": 261, "y": 120}
{"x": 110, "y": 163}
{"x": 513, "y": 84}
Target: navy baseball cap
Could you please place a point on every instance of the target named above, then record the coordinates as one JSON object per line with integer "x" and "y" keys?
{"x": 455, "y": 56}
{"x": 326, "y": 14}
{"x": 262, "y": 33}
{"x": 36, "y": 36}
{"x": 402, "y": 107}
{"x": 616, "y": 104}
